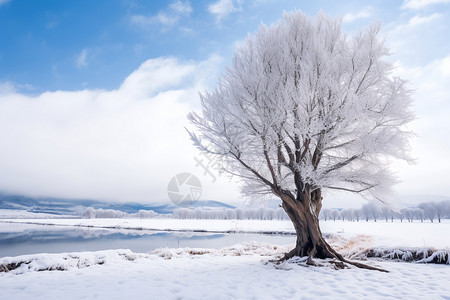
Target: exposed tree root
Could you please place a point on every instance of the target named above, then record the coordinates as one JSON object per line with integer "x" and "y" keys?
{"x": 303, "y": 211}
{"x": 356, "y": 264}
{"x": 364, "y": 266}
{"x": 340, "y": 263}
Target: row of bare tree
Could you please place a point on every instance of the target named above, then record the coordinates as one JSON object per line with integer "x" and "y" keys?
{"x": 425, "y": 211}
{"x": 187, "y": 213}
{"x": 232, "y": 214}
{"x": 92, "y": 213}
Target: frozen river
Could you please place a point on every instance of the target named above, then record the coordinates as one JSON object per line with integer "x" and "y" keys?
{"x": 19, "y": 239}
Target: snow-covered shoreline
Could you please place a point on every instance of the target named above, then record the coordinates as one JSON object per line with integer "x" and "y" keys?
{"x": 378, "y": 234}
{"x": 242, "y": 271}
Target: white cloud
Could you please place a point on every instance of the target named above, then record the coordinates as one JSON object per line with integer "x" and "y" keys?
{"x": 431, "y": 147}
{"x": 180, "y": 7}
{"x": 164, "y": 19}
{"x": 416, "y": 45}
{"x": 7, "y": 88}
{"x": 160, "y": 18}
{"x": 256, "y": 3}
{"x": 86, "y": 55}
{"x": 155, "y": 75}
{"x": 444, "y": 66}
{"x": 123, "y": 144}
{"x": 223, "y": 8}
{"x": 140, "y": 20}
{"x": 431, "y": 82}
{"x": 167, "y": 18}
{"x": 81, "y": 59}
{"x": 407, "y": 39}
{"x": 4, "y": 2}
{"x": 420, "y": 4}
{"x": 418, "y": 20}
{"x": 363, "y": 14}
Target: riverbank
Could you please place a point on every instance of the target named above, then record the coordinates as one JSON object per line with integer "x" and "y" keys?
{"x": 377, "y": 234}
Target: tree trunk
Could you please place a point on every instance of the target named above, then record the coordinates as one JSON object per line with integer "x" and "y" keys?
{"x": 310, "y": 242}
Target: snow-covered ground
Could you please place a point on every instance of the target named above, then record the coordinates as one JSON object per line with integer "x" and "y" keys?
{"x": 238, "y": 272}
{"x": 241, "y": 272}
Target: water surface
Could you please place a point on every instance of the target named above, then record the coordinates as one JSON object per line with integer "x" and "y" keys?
{"x": 19, "y": 239}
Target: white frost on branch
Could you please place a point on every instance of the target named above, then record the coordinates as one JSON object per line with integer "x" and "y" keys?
{"x": 305, "y": 106}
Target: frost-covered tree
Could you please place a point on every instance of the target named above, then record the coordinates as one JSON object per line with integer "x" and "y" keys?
{"x": 408, "y": 213}
{"x": 347, "y": 214}
{"x": 437, "y": 210}
{"x": 88, "y": 213}
{"x": 326, "y": 213}
{"x": 419, "y": 214}
{"x": 302, "y": 109}
{"x": 335, "y": 214}
{"x": 357, "y": 214}
{"x": 446, "y": 208}
{"x": 370, "y": 211}
{"x": 400, "y": 215}
{"x": 429, "y": 210}
{"x": 387, "y": 212}
{"x": 375, "y": 212}
{"x": 440, "y": 208}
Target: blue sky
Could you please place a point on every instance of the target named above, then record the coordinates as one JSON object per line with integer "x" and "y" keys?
{"x": 93, "y": 94}
{"x": 69, "y": 45}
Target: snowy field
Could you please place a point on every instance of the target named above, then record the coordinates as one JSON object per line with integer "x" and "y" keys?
{"x": 242, "y": 271}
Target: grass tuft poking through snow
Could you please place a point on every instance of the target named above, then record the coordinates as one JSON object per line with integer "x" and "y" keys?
{"x": 250, "y": 248}
{"x": 419, "y": 255}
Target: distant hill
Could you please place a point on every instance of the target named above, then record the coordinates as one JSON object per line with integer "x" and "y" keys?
{"x": 74, "y": 207}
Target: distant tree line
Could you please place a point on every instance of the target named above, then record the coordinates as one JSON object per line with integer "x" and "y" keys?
{"x": 232, "y": 214}
{"x": 187, "y": 213}
{"x": 92, "y": 213}
{"x": 425, "y": 211}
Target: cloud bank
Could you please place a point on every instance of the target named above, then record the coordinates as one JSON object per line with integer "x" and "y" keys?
{"x": 431, "y": 146}
{"x": 123, "y": 145}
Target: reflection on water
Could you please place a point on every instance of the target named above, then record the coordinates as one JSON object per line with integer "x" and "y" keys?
{"x": 19, "y": 239}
